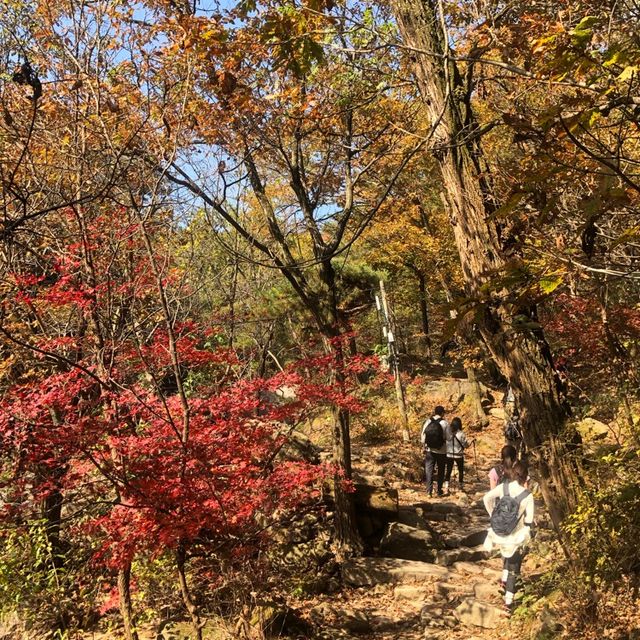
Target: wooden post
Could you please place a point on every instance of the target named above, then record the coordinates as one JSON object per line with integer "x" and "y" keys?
{"x": 389, "y": 331}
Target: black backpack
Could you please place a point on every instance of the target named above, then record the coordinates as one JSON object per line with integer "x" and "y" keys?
{"x": 504, "y": 516}
{"x": 433, "y": 434}
{"x": 512, "y": 430}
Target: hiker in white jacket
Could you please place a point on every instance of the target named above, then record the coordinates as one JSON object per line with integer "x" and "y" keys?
{"x": 511, "y": 545}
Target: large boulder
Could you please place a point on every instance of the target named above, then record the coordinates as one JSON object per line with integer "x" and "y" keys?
{"x": 474, "y": 539}
{"x": 408, "y": 543}
{"x": 413, "y": 517}
{"x": 377, "y": 500}
{"x": 454, "y": 390}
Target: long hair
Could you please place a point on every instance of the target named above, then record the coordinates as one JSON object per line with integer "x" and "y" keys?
{"x": 508, "y": 457}
{"x": 456, "y": 425}
{"x": 519, "y": 472}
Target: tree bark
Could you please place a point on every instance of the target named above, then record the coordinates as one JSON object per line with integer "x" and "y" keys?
{"x": 424, "y": 312}
{"x": 476, "y": 399}
{"x": 521, "y": 352}
{"x": 126, "y": 610}
{"x": 347, "y": 532}
{"x": 189, "y": 604}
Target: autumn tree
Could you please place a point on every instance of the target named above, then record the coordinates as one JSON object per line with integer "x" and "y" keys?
{"x": 277, "y": 106}
{"x": 508, "y": 327}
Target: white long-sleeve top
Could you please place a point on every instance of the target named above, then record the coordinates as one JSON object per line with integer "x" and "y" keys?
{"x": 522, "y": 533}
{"x": 456, "y": 443}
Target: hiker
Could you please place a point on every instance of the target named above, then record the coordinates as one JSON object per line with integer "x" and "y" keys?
{"x": 509, "y": 402}
{"x": 508, "y": 457}
{"x": 433, "y": 437}
{"x": 513, "y": 432}
{"x": 511, "y": 509}
{"x": 456, "y": 444}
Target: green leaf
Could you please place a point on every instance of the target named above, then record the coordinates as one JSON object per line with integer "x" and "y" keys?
{"x": 586, "y": 23}
{"x": 549, "y": 283}
{"x": 615, "y": 56}
{"x": 628, "y": 73}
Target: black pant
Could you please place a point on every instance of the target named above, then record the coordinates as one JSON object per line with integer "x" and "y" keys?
{"x": 512, "y": 565}
{"x": 460, "y": 464}
{"x": 438, "y": 460}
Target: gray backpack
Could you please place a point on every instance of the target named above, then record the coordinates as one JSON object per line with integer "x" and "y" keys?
{"x": 504, "y": 517}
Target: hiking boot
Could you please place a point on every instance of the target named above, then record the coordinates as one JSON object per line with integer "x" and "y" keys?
{"x": 508, "y": 609}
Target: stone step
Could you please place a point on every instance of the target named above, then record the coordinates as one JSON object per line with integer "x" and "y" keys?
{"x": 472, "y": 612}
{"x": 465, "y": 540}
{"x": 462, "y": 554}
{"x": 362, "y": 572}
{"x": 408, "y": 543}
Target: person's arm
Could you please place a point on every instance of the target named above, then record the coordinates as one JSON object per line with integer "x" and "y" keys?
{"x": 529, "y": 508}
{"x": 462, "y": 439}
{"x": 489, "y": 499}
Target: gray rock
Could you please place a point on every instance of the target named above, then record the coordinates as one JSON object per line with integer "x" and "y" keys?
{"x": 451, "y": 590}
{"x": 374, "y": 481}
{"x": 362, "y": 572}
{"x": 299, "y": 447}
{"x": 492, "y": 574}
{"x": 379, "y": 500}
{"x": 450, "y": 621}
{"x": 469, "y": 540}
{"x": 468, "y": 567}
{"x": 474, "y": 539}
{"x": 412, "y": 516}
{"x": 591, "y": 429}
{"x": 462, "y": 554}
{"x": 485, "y": 591}
{"x": 431, "y": 614}
{"x": 409, "y": 543}
{"x": 479, "y": 614}
{"x": 410, "y": 592}
{"x": 443, "y": 507}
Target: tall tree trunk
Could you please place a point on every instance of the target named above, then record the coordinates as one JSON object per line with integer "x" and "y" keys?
{"x": 424, "y": 312}
{"x": 345, "y": 514}
{"x": 126, "y": 609}
{"x": 190, "y": 605}
{"x": 522, "y": 355}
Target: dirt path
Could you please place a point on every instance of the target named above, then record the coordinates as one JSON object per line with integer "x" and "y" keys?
{"x": 453, "y": 596}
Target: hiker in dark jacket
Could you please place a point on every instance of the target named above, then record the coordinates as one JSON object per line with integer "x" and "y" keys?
{"x": 456, "y": 444}
{"x": 508, "y": 457}
{"x": 511, "y": 543}
{"x": 435, "y": 449}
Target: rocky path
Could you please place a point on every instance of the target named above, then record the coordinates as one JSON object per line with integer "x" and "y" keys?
{"x": 430, "y": 578}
